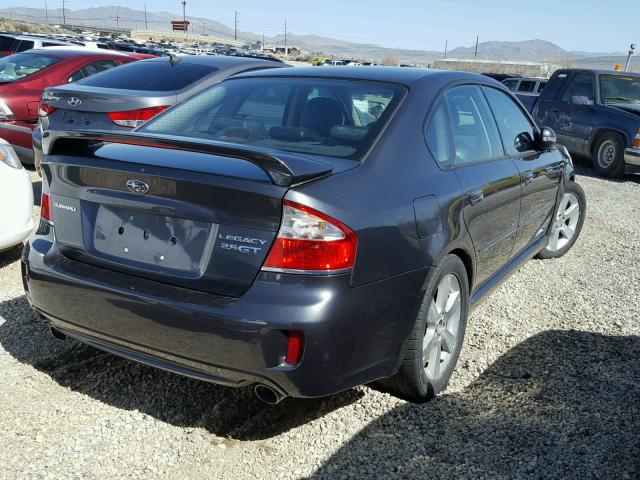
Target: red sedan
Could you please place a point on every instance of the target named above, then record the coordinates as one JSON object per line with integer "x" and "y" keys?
{"x": 25, "y": 75}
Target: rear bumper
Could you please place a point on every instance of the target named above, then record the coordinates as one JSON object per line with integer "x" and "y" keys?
{"x": 352, "y": 335}
{"x": 18, "y": 134}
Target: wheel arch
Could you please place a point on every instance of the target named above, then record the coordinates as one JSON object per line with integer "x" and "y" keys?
{"x": 602, "y": 131}
{"x": 467, "y": 260}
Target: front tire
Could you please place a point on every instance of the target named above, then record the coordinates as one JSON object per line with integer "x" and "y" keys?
{"x": 437, "y": 336}
{"x": 608, "y": 155}
{"x": 568, "y": 222}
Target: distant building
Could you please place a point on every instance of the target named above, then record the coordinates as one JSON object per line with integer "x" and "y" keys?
{"x": 525, "y": 69}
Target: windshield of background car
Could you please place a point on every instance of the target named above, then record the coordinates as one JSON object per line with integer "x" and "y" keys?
{"x": 151, "y": 76}
{"x": 620, "y": 89}
{"x": 337, "y": 118}
{"x": 20, "y": 65}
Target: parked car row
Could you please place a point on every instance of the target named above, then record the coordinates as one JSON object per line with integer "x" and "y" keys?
{"x": 299, "y": 230}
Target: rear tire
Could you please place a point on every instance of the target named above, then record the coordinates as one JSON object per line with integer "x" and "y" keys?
{"x": 608, "y": 155}
{"x": 568, "y": 222}
{"x": 440, "y": 324}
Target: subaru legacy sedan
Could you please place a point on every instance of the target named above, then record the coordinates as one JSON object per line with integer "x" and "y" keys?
{"x": 300, "y": 230}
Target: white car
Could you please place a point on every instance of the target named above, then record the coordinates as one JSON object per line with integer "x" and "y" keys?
{"x": 16, "y": 199}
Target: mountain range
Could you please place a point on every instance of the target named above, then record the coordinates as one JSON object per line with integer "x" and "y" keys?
{"x": 123, "y": 17}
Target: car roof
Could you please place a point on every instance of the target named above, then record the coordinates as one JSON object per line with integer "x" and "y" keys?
{"x": 219, "y": 61}
{"x": 75, "y": 52}
{"x": 597, "y": 71}
{"x": 38, "y": 37}
{"x": 401, "y": 75}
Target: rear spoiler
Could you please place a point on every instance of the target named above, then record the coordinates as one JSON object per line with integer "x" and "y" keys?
{"x": 283, "y": 169}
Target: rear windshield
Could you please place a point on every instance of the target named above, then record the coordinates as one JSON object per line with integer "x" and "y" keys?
{"x": 20, "y": 65}
{"x": 337, "y": 118}
{"x": 620, "y": 89}
{"x": 151, "y": 76}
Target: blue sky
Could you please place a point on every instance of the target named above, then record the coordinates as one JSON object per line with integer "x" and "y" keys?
{"x": 591, "y": 25}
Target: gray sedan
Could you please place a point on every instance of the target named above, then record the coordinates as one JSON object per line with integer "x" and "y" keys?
{"x": 124, "y": 98}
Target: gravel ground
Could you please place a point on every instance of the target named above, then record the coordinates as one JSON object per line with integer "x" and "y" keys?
{"x": 547, "y": 387}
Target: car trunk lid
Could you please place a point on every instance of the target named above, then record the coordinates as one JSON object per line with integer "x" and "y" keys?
{"x": 197, "y": 215}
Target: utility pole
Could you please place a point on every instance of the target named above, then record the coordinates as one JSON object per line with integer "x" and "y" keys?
{"x": 64, "y": 18}
{"x": 446, "y": 43}
{"x": 46, "y": 12}
{"x": 475, "y": 55}
{"x": 286, "y": 51}
{"x": 184, "y": 18}
{"x": 631, "y": 49}
{"x": 263, "y": 43}
{"x": 146, "y": 27}
{"x": 117, "y": 19}
{"x": 235, "y": 26}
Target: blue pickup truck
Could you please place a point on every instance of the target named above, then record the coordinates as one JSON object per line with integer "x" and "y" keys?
{"x": 595, "y": 113}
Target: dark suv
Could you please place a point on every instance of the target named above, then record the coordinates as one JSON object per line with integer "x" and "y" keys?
{"x": 301, "y": 230}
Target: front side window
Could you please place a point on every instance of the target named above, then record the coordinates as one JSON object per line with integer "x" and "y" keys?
{"x": 20, "y": 65}
{"x": 515, "y": 128}
{"x": 620, "y": 89}
{"x": 475, "y": 135}
{"x": 511, "y": 84}
{"x": 541, "y": 86}
{"x": 24, "y": 45}
{"x": 338, "y": 118}
{"x": 581, "y": 90}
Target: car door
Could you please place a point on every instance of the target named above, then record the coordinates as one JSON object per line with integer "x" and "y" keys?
{"x": 574, "y": 113}
{"x": 489, "y": 179}
{"x": 540, "y": 170}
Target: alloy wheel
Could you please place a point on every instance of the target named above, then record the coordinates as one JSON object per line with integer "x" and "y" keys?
{"x": 443, "y": 325}
{"x": 566, "y": 222}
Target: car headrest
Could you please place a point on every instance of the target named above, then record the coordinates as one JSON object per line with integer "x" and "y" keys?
{"x": 293, "y": 134}
{"x": 320, "y": 114}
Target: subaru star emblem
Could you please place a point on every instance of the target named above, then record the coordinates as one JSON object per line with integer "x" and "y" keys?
{"x": 137, "y": 186}
{"x": 74, "y": 102}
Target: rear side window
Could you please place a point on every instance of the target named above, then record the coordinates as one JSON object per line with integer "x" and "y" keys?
{"x": 91, "y": 69}
{"x": 527, "y": 86}
{"x": 24, "y": 45}
{"x": 337, "y": 118}
{"x": 151, "y": 76}
{"x": 475, "y": 135}
{"x": 438, "y": 133}
{"x": 515, "y": 128}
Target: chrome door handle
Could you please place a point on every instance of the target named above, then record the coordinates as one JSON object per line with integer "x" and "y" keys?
{"x": 476, "y": 195}
{"x": 528, "y": 177}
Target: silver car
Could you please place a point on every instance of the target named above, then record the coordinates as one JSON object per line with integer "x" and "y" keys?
{"x": 125, "y": 97}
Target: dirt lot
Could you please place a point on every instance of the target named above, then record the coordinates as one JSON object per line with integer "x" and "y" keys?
{"x": 548, "y": 386}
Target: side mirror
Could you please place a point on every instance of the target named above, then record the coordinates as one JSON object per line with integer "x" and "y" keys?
{"x": 523, "y": 142}
{"x": 547, "y": 138}
{"x": 581, "y": 100}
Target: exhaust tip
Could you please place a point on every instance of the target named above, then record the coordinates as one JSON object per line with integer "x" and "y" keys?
{"x": 57, "y": 333}
{"x": 268, "y": 394}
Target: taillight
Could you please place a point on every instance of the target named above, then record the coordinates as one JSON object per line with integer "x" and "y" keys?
{"x": 44, "y": 109}
{"x": 310, "y": 241}
{"x": 45, "y": 207}
{"x": 135, "y": 118}
{"x": 295, "y": 345}
{"x": 636, "y": 140}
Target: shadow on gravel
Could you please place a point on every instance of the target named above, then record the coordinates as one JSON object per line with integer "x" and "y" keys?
{"x": 180, "y": 401}
{"x": 584, "y": 167}
{"x": 562, "y": 404}
{"x": 7, "y": 257}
